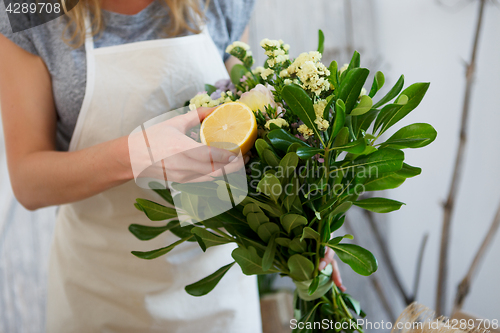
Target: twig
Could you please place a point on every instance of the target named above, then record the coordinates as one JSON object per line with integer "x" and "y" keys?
{"x": 457, "y": 171}
{"x": 387, "y": 258}
{"x": 384, "y": 300}
{"x": 418, "y": 270}
{"x": 464, "y": 286}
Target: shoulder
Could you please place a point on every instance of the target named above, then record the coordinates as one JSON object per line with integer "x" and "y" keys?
{"x": 227, "y": 19}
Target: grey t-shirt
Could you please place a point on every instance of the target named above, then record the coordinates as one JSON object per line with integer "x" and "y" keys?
{"x": 225, "y": 19}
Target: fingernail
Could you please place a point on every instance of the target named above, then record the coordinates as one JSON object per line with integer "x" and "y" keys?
{"x": 343, "y": 288}
{"x": 231, "y": 158}
{"x": 322, "y": 265}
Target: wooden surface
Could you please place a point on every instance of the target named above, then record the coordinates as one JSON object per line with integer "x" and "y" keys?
{"x": 25, "y": 237}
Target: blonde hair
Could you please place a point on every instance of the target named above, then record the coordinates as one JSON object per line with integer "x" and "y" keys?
{"x": 182, "y": 14}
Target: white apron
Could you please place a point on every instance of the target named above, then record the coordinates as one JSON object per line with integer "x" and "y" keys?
{"x": 95, "y": 283}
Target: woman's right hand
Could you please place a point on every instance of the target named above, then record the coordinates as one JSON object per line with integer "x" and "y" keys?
{"x": 174, "y": 156}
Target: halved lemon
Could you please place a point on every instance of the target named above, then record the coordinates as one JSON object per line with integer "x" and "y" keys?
{"x": 230, "y": 126}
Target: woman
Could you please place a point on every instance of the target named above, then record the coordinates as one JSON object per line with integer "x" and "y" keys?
{"x": 69, "y": 100}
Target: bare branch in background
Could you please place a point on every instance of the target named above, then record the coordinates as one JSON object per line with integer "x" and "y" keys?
{"x": 464, "y": 286}
{"x": 418, "y": 270}
{"x": 457, "y": 171}
{"x": 387, "y": 257}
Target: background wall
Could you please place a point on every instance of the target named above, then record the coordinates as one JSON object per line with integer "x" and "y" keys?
{"x": 429, "y": 42}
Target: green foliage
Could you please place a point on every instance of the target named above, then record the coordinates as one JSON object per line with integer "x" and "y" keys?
{"x": 207, "y": 284}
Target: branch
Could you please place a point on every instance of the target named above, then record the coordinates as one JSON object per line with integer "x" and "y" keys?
{"x": 418, "y": 270}
{"x": 464, "y": 286}
{"x": 457, "y": 171}
{"x": 387, "y": 258}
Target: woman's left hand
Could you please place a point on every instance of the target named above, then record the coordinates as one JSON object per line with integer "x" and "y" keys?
{"x": 328, "y": 259}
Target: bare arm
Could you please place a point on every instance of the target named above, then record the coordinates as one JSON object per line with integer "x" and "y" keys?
{"x": 41, "y": 176}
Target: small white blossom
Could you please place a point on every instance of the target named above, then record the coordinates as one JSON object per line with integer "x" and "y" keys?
{"x": 266, "y": 72}
{"x": 343, "y": 68}
{"x": 244, "y": 46}
{"x": 280, "y": 122}
{"x": 305, "y": 131}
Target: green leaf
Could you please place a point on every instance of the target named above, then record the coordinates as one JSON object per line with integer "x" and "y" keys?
{"x": 301, "y": 105}
{"x": 237, "y": 72}
{"x": 382, "y": 161}
{"x": 339, "y": 121}
{"x": 249, "y": 260}
{"x": 298, "y": 245}
{"x": 138, "y": 207}
{"x": 291, "y": 221}
{"x": 355, "y": 61}
{"x": 365, "y": 105}
{"x": 182, "y": 232}
{"x": 283, "y": 241}
{"x": 282, "y": 140}
{"x": 314, "y": 285}
{"x": 392, "y": 93}
{"x": 335, "y": 225}
{"x": 342, "y": 208}
{"x": 209, "y": 238}
{"x": 336, "y": 240}
{"x": 412, "y": 136}
{"x": 189, "y": 204}
{"x": 364, "y": 121}
{"x": 352, "y": 303}
{"x": 270, "y": 186}
{"x": 361, "y": 260}
{"x": 293, "y": 147}
{"x": 386, "y": 181}
{"x": 207, "y": 284}
{"x": 256, "y": 219}
{"x": 202, "y": 189}
{"x": 409, "y": 171}
{"x": 306, "y": 153}
{"x": 144, "y": 232}
{"x": 379, "y": 205}
{"x": 310, "y": 233}
{"x": 321, "y": 41}
{"x": 251, "y": 208}
{"x": 267, "y": 230}
{"x": 354, "y": 147}
{"x": 301, "y": 268}
{"x": 333, "y": 78}
{"x": 415, "y": 94}
{"x": 162, "y": 191}
{"x": 155, "y": 211}
{"x": 269, "y": 254}
{"x": 261, "y": 145}
{"x": 378, "y": 82}
{"x": 270, "y": 158}
{"x": 350, "y": 88}
{"x": 159, "y": 252}
{"x": 288, "y": 164}
{"x": 210, "y": 89}
{"x": 342, "y": 138}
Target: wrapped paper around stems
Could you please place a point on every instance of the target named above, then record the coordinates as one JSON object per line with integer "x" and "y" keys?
{"x": 417, "y": 318}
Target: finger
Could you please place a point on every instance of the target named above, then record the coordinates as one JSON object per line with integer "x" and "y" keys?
{"x": 336, "y": 277}
{"x": 329, "y": 253}
{"x": 190, "y": 119}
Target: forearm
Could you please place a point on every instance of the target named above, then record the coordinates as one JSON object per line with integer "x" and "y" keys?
{"x": 46, "y": 178}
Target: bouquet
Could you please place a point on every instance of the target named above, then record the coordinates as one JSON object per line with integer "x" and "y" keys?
{"x": 318, "y": 153}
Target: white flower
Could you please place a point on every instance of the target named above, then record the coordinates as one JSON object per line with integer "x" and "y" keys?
{"x": 322, "y": 123}
{"x": 258, "y": 70}
{"x": 287, "y": 81}
{"x": 266, "y": 72}
{"x": 282, "y": 58}
{"x": 284, "y": 73}
{"x": 269, "y": 43}
{"x": 286, "y": 47}
{"x": 363, "y": 92}
{"x": 280, "y": 122}
{"x": 270, "y": 62}
{"x": 258, "y": 98}
{"x": 305, "y": 131}
{"x": 244, "y": 46}
{"x": 343, "y": 68}
{"x": 319, "y": 107}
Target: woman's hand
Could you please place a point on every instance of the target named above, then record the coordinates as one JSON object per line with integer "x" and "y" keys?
{"x": 178, "y": 157}
{"x": 328, "y": 259}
